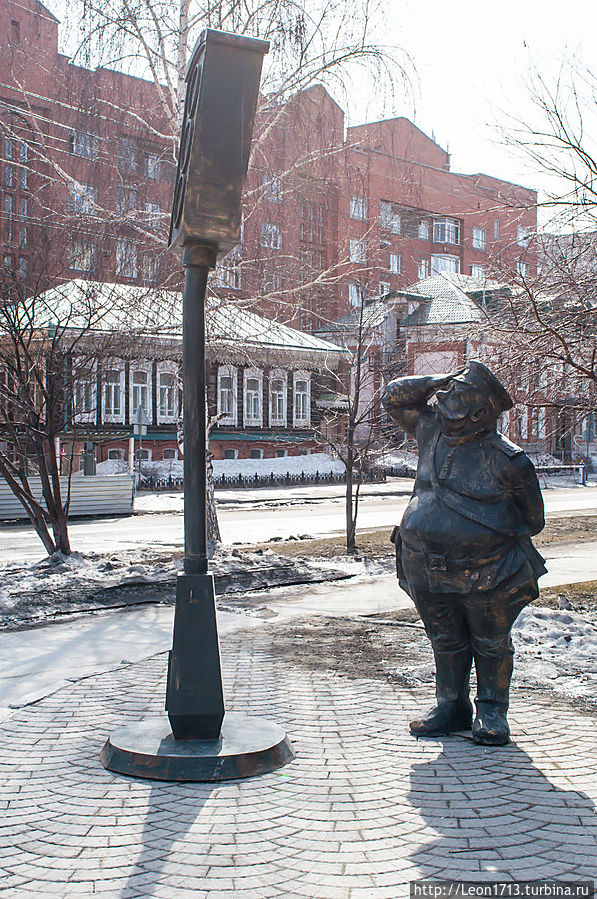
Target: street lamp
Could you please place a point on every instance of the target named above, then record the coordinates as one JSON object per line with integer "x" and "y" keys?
{"x": 199, "y": 740}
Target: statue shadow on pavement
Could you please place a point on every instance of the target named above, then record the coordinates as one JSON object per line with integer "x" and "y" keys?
{"x": 173, "y": 810}
{"x": 499, "y": 816}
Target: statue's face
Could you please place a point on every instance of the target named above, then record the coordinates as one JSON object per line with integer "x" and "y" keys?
{"x": 462, "y": 407}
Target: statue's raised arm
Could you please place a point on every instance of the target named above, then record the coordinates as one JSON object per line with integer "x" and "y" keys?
{"x": 406, "y": 398}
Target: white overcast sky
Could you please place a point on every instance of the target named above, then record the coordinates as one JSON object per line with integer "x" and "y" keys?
{"x": 472, "y": 59}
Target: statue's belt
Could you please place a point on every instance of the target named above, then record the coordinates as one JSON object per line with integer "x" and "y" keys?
{"x": 442, "y": 562}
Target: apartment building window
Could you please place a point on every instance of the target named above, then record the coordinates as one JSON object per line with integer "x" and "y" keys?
{"x": 478, "y": 271}
{"x": 126, "y": 258}
{"x": 389, "y": 216}
{"x": 384, "y": 288}
{"x": 23, "y": 178}
{"x": 153, "y": 212}
{"x": 446, "y": 230}
{"x": 112, "y": 395}
{"x": 444, "y": 263}
{"x": 396, "y": 263}
{"x": 523, "y": 268}
{"x": 253, "y": 393}
{"x": 8, "y": 213}
{"x": 496, "y": 229}
{"x": 151, "y": 166}
{"x": 272, "y": 187}
{"x": 271, "y": 236}
{"x": 522, "y": 236}
{"x": 358, "y": 209}
{"x": 126, "y": 199}
{"x": 228, "y": 271}
{"x": 9, "y": 176}
{"x": 127, "y": 154}
{"x": 356, "y": 293}
{"x": 83, "y": 143}
{"x": 82, "y": 255}
{"x": 227, "y": 394}
{"x": 423, "y": 268}
{"x": 357, "y": 250}
{"x": 302, "y": 399}
{"x": 15, "y": 32}
{"x": 23, "y": 237}
{"x": 149, "y": 268}
{"x": 479, "y": 238}
{"x": 423, "y": 229}
{"x": 23, "y": 208}
{"x": 277, "y": 397}
{"x": 81, "y": 199}
{"x": 272, "y": 280}
{"x": 22, "y": 266}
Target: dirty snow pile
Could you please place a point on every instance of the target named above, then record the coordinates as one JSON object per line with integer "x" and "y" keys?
{"x": 58, "y": 581}
{"x": 557, "y": 648}
{"x": 402, "y": 462}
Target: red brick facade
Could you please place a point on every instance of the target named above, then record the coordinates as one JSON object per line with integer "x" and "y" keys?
{"x": 331, "y": 214}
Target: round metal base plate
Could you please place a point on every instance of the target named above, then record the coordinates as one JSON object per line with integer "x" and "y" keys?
{"x": 247, "y": 746}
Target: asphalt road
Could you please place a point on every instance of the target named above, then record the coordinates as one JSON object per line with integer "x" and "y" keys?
{"x": 317, "y": 512}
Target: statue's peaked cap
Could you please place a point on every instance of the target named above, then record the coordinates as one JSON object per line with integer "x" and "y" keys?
{"x": 478, "y": 374}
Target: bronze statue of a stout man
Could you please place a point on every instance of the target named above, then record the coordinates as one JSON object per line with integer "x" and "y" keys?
{"x": 463, "y": 548}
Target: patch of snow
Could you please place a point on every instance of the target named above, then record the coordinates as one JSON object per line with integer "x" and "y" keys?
{"x": 311, "y": 464}
{"x": 558, "y": 646}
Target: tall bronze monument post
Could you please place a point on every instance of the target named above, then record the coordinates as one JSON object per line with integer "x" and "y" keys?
{"x": 198, "y": 740}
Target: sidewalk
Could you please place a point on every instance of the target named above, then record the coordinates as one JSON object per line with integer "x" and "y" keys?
{"x": 362, "y": 811}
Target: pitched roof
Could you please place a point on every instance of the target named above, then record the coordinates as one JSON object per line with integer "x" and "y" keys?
{"x": 103, "y": 306}
{"x": 447, "y": 298}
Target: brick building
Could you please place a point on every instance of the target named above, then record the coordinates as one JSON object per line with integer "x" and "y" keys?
{"x": 332, "y": 214}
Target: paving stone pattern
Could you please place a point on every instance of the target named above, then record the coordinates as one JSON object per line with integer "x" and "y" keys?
{"x": 362, "y": 811}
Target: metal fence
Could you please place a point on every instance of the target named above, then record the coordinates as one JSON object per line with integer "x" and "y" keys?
{"x": 223, "y": 482}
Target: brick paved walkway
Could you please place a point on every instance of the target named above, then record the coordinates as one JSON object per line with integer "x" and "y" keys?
{"x": 362, "y": 811}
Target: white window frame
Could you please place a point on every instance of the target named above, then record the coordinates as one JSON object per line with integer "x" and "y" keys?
{"x": 82, "y": 199}
{"x": 384, "y": 288}
{"x": 228, "y": 271}
{"x": 255, "y": 452}
{"x": 396, "y": 263}
{"x": 144, "y": 367}
{"x": 118, "y": 366}
{"x": 446, "y": 230}
{"x": 126, "y": 258}
{"x": 541, "y": 423}
{"x": 84, "y": 143}
{"x": 423, "y": 229}
{"x": 479, "y": 238}
{"x": 442, "y": 262}
{"x": 523, "y": 235}
{"x": 358, "y": 208}
{"x": 523, "y": 268}
{"x": 356, "y": 294}
{"x": 227, "y": 371}
{"x": 230, "y": 449}
{"x": 167, "y": 368}
{"x": 478, "y": 271}
{"x": 153, "y": 213}
{"x": 278, "y": 374}
{"x": 82, "y": 255}
{"x": 299, "y": 421}
{"x": 257, "y": 419}
{"x": 272, "y": 187}
{"x": 496, "y": 229}
{"x": 389, "y": 217}
{"x": 357, "y": 250}
{"x": 88, "y": 381}
{"x": 170, "y": 449}
{"x": 423, "y": 268}
{"x": 271, "y": 236}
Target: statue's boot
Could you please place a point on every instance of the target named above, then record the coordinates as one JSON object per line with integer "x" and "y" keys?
{"x": 453, "y": 710}
{"x": 490, "y": 727}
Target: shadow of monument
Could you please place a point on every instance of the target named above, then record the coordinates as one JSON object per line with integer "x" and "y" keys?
{"x": 173, "y": 810}
{"x": 498, "y": 816}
